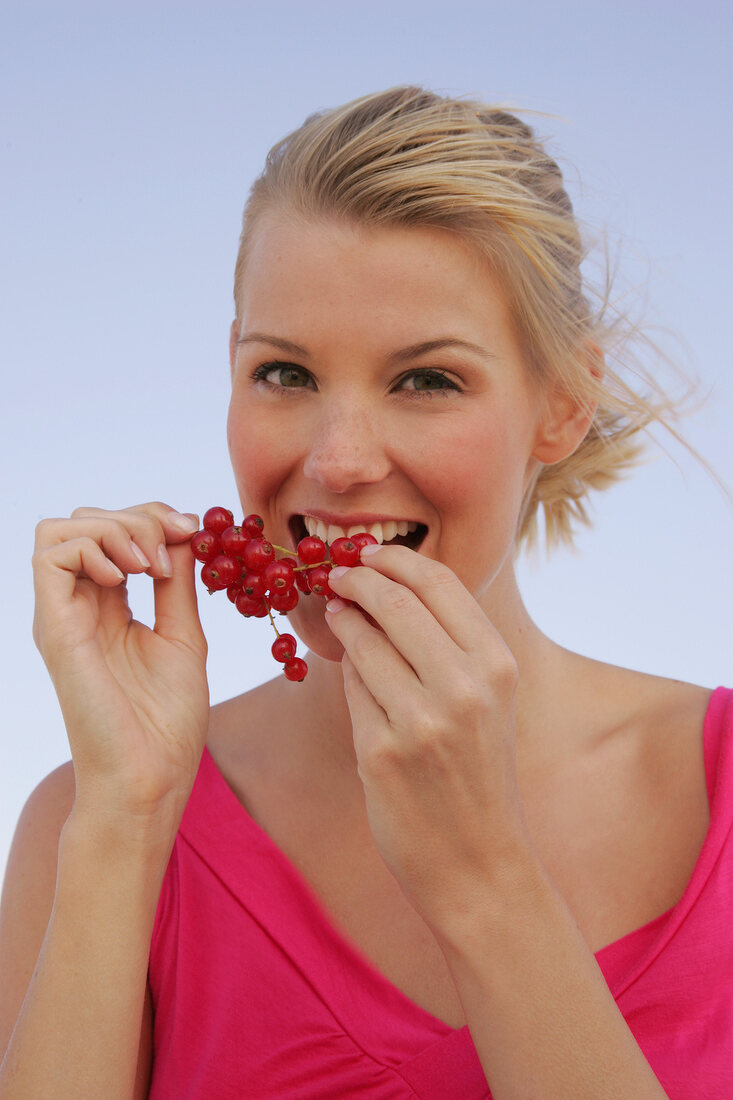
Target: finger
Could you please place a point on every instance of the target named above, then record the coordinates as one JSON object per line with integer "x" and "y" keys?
{"x": 57, "y": 569}
{"x": 56, "y": 574}
{"x": 151, "y": 528}
{"x": 114, "y": 538}
{"x": 372, "y": 718}
{"x": 176, "y": 607}
{"x": 175, "y": 526}
{"x": 382, "y": 668}
{"x": 442, "y": 593}
{"x": 410, "y": 626}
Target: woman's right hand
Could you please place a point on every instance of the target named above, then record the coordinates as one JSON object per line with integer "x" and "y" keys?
{"x": 134, "y": 699}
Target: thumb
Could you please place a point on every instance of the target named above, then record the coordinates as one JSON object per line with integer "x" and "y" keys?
{"x": 176, "y": 607}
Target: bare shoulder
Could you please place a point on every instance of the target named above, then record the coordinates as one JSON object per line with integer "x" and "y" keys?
{"x": 668, "y": 712}
{"x": 29, "y": 888}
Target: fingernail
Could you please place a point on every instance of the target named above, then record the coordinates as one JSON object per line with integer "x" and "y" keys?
{"x": 335, "y": 605}
{"x": 139, "y": 555}
{"x": 164, "y": 561}
{"x": 369, "y": 549}
{"x": 338, "y": 571}
{"x": 181, "y": 522}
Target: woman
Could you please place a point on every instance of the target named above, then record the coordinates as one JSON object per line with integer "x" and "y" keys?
{"x": 390, "y": 880}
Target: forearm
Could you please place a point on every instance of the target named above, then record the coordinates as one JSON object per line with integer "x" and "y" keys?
{"x": 78, "y": 1032}
{"x": 541, "y": 1016}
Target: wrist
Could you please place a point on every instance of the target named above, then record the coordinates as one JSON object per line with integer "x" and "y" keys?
{"x": 112, "y": 834}
{"x": 503, "y": 902}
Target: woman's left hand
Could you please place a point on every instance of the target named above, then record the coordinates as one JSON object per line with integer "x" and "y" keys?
{"x": 431, "y": 696}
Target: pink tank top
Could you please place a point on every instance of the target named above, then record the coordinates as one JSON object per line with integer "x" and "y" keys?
{"x": 256, "y": 993}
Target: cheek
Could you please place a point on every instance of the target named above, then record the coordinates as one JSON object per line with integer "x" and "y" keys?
{"x": 480, "y": 467}
{"x": 475, "y": 481}
{"x": 255, "y": 453}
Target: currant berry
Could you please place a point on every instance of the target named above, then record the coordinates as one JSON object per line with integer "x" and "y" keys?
{"x": 296, "y": 669}
{"x": 254, "y": 584}
{"x": 205, "y": 545}
{"x": 312, "y": 550}
{"x": 233, "y": 541}
{"x": 318, "y": 580}
{"x": 283, "y": 648}
{"x": 344, "y": 551}
{"x": 258, "y": 553}
{"x": 233, "y": 591}
{"x": 284, "y": 599}
{"x": 364, "y": 539}
{"x": 251, "y": 605}
{"x": 219, "y": 573}
{"x": 217, "y": 520}
{"x": 279, "y": 575}
{"x": 301, "y": 581}
{"x": 254, "y": 525}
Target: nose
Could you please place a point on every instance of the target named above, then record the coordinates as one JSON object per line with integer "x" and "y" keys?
{"x": 346, "y": 449}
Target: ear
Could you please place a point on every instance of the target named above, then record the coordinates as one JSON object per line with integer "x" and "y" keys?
{"x": 233, "y": 336}
{"x": 567, "y": 417}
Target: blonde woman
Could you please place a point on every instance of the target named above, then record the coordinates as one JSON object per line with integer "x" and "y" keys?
{"x": 457, "y": 860}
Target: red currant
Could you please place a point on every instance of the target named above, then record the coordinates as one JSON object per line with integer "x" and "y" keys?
{"x": 283, "y": 599}
{"x": 312, "y": 550}
{"x": 301, "y": 581}
{"x": 254, "y": 525}
{"x": 318, "y": 580}
{"x": 233, "y": 591}
{"x": 364, "y": 539}
{"x": 219, "y": 573}
{"x": 296, "y": 669}
{"x": 344, "y": 551}
{"x": 258, "y": 553}
{"x": 279, "y": 574}
{"x": 283, "y": 648}
{"x": 254, "y": 584}
{"x": 233, "y": 541}
{"x": 217, "y": 520}
{"x": 205, "y": 545}
{"x": 251, "y": 605}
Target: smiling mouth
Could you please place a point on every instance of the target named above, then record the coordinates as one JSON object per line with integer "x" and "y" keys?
{"x": 389, "y": 532}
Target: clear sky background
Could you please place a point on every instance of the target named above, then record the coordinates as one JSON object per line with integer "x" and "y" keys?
{"x": 130, "y": 134}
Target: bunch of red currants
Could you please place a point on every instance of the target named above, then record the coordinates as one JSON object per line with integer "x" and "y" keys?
{"x": 239, "y": 559}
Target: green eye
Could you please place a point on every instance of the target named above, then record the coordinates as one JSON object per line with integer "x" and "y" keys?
{"x": 291, "y": 376}
{"x": 427, "y": 381}
{"x": 285, "y": 376}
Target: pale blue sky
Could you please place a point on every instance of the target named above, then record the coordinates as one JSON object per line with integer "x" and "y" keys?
{"x": 130, "y": 135}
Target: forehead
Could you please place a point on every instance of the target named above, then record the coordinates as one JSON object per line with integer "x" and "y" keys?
{"x": 304, "y": 271}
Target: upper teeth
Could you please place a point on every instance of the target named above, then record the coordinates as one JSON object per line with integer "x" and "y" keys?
{"x": 382, "y": 532}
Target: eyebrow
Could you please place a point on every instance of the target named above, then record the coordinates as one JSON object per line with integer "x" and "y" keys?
{"x": 414, "y": 351}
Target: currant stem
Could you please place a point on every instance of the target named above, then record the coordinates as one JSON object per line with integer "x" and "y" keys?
{"x": 269, "y": 612}
{"x": 284, "y": 549}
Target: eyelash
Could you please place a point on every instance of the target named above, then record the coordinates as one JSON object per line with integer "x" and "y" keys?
{"x": 260, "y": 373}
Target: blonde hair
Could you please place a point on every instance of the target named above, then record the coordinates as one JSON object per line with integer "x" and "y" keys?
{"x": 410, "y": 157}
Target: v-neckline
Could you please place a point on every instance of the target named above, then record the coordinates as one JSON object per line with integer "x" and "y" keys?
{"x": 651, "y": 936}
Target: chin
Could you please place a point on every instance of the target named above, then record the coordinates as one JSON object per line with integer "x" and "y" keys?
{"x": 313, "y": 632}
